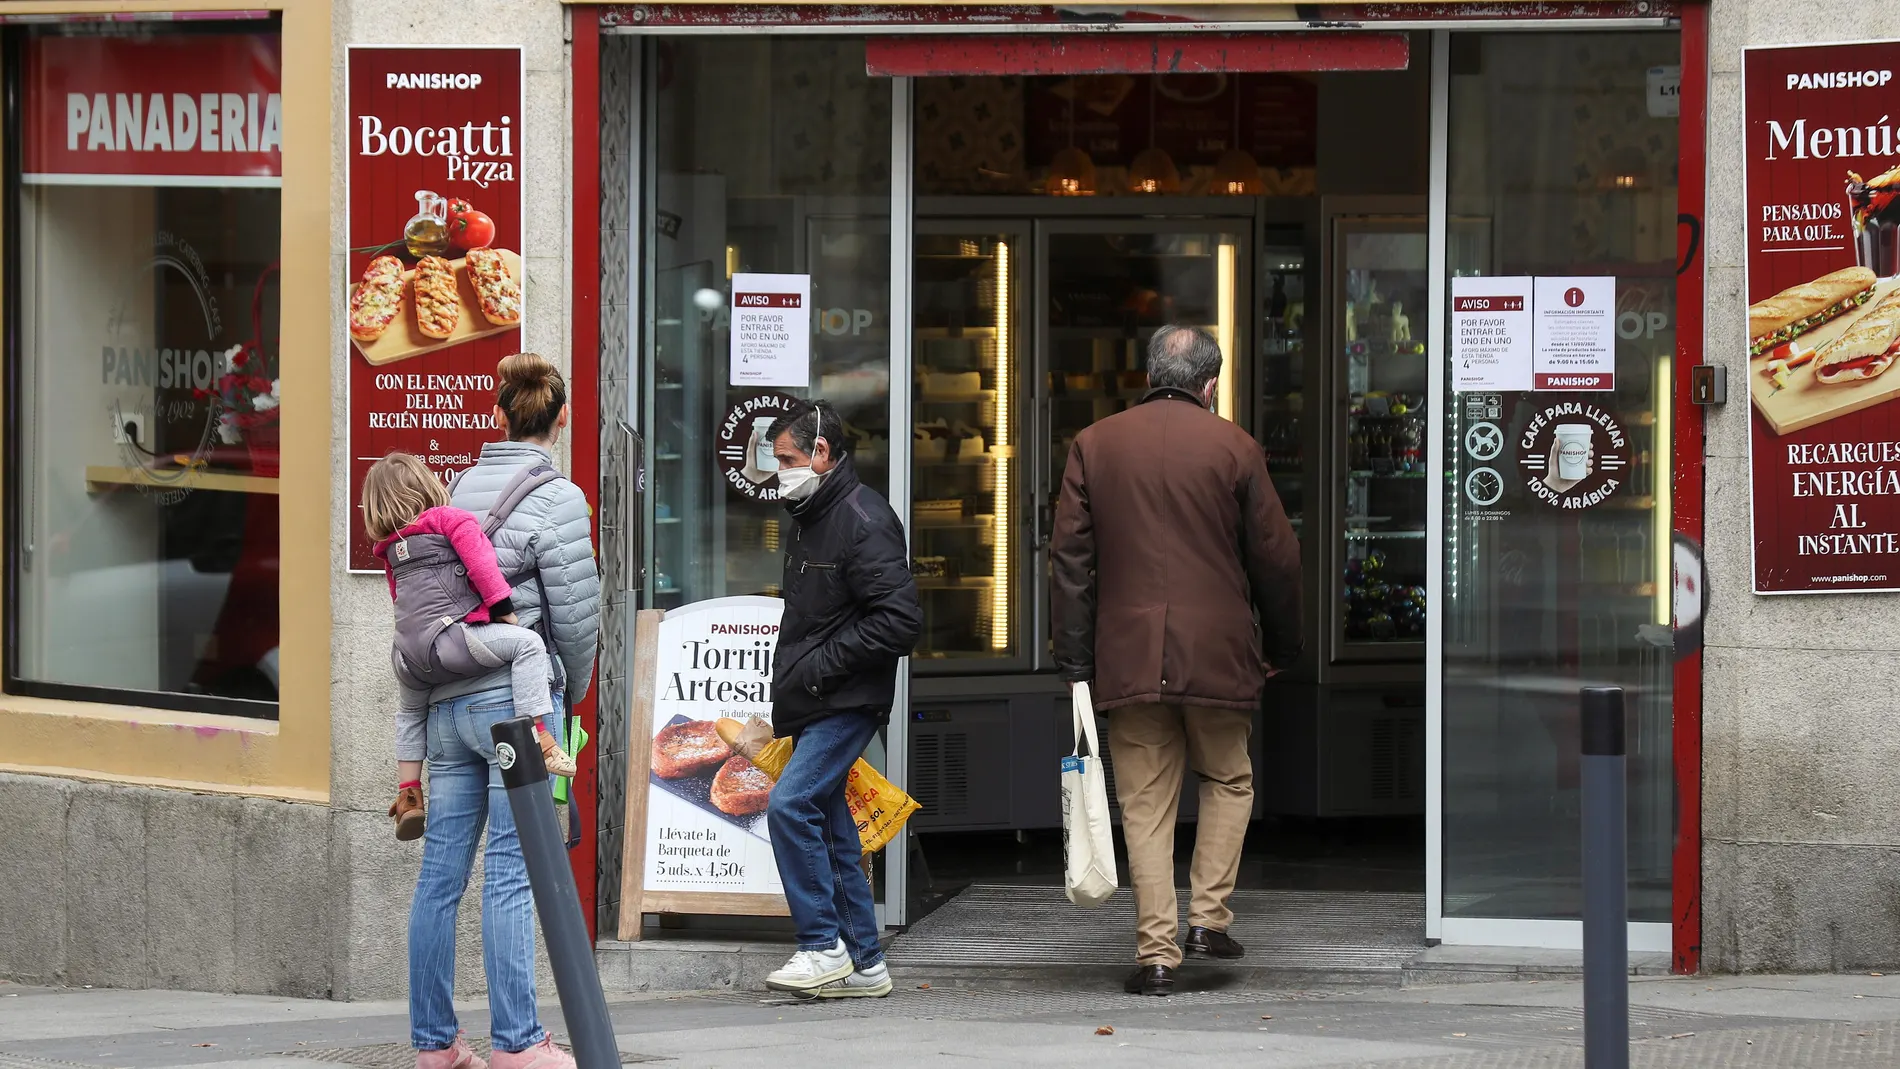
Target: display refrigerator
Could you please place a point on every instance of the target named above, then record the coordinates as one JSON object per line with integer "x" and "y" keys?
{"x": 1380, "y": 272}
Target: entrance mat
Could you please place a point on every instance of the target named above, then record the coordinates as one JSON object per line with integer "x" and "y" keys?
{"x": 403, "y": 1056}
{"x": 1009, "y": 926}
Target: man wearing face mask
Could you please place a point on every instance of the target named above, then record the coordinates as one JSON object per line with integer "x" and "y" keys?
{"x": 851, "y": 612}
{"x": 1169, "y": 539}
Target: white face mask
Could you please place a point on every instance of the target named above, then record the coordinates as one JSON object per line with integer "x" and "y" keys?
{"x": 797, "y": 484}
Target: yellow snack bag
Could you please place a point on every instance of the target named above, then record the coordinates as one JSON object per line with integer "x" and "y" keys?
{"x": 876, "y": 804}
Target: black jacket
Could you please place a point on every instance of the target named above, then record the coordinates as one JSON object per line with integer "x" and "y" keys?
{"x": 851, "y": 607}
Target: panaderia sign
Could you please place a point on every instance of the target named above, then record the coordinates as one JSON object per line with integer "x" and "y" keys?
{"x": 168, "y": 110}
{"x": 1823, "y": 217}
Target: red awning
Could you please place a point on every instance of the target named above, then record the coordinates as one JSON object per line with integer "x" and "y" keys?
{"x": 1132, "y": 53}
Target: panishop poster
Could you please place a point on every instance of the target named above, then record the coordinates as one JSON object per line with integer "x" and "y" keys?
{"x": 705, "y": 804}
{"x": 1823, "y": 223}
{"x": 435, "y": 278}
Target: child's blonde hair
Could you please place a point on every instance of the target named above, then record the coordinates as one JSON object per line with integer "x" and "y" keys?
{"x": 397, "y": 489}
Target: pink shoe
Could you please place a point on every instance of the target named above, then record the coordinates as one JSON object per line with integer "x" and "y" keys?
{"x": 543, "y": 1055}
{"x": 456, "y": 1056}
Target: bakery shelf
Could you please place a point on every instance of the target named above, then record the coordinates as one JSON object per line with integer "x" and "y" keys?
{"x": 978, "y": 397}
{"x": 103, "y": 478}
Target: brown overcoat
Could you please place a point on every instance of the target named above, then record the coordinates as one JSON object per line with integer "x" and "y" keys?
{"x": 1168, "y": 536}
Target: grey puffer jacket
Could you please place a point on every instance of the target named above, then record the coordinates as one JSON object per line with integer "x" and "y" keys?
{"x": 548, "y": 533}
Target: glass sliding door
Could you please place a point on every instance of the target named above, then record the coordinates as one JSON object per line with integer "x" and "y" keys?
{"x": 767, "y": 155}
{"x": 1556, "y": 168}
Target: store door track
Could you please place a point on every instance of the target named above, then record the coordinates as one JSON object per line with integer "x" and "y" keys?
{"x": 999, "y": 932}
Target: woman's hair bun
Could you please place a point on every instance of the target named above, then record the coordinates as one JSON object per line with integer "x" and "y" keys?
{"x": 532, "y": 392}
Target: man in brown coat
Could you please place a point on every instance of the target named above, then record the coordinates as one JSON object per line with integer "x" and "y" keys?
{"x": 1168, "y": 537}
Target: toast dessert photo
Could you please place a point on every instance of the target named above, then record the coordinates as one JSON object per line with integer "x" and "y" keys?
{"x": 741, "y": 788}
{"x": 693, "y": 748}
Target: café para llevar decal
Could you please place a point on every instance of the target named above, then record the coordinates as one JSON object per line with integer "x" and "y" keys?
{"x": 180, "y": 389}
{"x": 435, "y": 279}
{"x": 1822, "y": 199}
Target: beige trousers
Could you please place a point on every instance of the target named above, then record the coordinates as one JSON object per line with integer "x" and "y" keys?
{"x": 1152, "y": 747}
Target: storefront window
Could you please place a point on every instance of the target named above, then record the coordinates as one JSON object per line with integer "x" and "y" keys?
{"x": 770, "y": 156}
{"x": 142, "y": 171}
{"x": 1558, "y": 566}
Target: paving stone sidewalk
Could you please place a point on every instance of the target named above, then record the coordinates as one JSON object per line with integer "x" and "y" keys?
{"x": 1815, "y": 1022}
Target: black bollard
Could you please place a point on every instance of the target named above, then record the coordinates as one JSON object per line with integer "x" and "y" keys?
{"x": 1606, "y": 966}
{"x": 576, "y": 980}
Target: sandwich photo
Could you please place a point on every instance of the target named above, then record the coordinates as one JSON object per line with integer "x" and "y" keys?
{"x": 1867, "y": 349}
{"x": 1798, "y": 309}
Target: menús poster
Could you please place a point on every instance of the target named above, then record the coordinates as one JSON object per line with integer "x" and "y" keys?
{"x": 1823, "y": 267}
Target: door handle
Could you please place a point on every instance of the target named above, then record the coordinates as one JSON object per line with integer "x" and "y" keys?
{"x": 633, "y": 492}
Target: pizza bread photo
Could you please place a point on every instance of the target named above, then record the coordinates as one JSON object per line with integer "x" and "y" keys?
{"x": 398, "y": 312}
{"x": 438, "y": 310}
{"x": 685, "y": 750}
{"x": 741, "y": 788}
{"x": 495, "y": 287}
{"x": 375, "y": 300}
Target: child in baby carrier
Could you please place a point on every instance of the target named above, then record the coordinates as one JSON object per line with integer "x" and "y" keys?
{"x": 454, "y": 616}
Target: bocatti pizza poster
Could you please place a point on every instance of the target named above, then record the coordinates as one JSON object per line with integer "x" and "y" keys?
{"x": 1823, "y": 204}
{"x": 434, "y": 277}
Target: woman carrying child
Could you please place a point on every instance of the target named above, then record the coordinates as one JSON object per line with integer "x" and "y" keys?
{"x": 545, "y": 545}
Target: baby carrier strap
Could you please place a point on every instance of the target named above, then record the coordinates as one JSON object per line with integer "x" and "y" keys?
{"x": 525, "y": 482}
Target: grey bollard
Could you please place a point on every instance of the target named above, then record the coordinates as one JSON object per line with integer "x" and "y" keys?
{"x": 576, "y": 980}
{"x": 1606, "y": 972}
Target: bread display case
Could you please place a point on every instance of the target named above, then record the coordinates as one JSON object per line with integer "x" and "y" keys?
{"x": 966, "y": 509}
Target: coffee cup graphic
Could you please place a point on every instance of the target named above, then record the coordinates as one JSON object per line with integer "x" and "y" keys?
{"x": 1573, "y": 451}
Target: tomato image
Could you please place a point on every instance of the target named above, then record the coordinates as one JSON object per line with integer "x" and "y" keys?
{"x": 468, "y": 228}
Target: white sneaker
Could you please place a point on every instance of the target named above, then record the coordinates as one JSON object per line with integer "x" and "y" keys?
{"x": 874, "y": 982}
{"x": 812, "y": 968}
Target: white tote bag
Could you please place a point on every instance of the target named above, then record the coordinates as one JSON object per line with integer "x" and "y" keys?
{"x": 1087, "y": 842}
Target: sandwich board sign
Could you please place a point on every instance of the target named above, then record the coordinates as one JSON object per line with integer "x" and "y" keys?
{"x": 1822, "y": 203}
{"x": 695, "y": 838}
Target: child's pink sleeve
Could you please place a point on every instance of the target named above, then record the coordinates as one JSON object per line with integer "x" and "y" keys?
{"x": 464, "y": 533}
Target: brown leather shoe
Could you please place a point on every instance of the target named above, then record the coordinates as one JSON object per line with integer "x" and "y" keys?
{"x": 1208, "y": 943}
{"x": 1155, "y": 980}
{"x": 408, "y": 813}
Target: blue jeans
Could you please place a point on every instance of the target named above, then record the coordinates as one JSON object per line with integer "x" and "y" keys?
{"x": 815, "y": 841}
{"x": 465, "y": 792}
